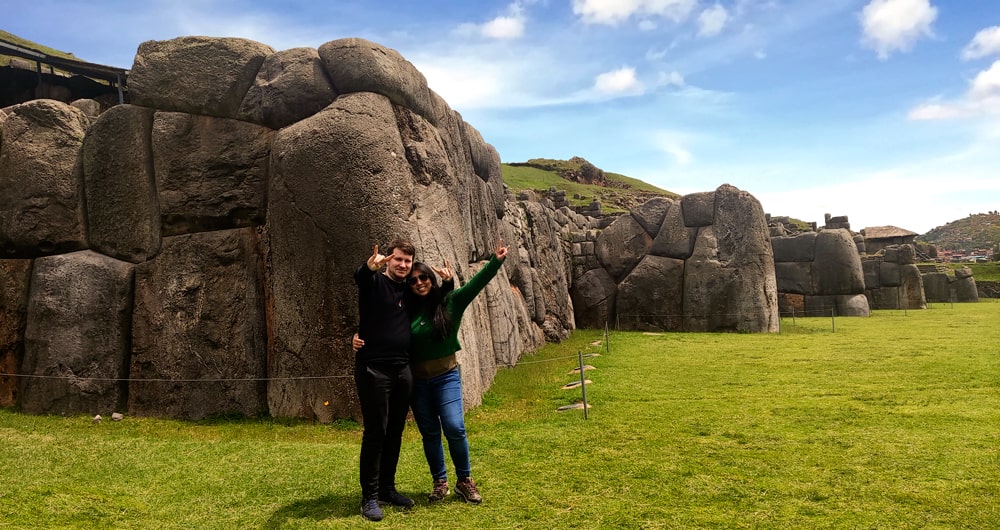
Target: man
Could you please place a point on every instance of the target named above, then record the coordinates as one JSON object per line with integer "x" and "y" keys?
{"x": 382, "y": 372}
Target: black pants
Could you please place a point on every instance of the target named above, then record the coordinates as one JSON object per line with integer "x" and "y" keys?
{"x": 384, "y": 392}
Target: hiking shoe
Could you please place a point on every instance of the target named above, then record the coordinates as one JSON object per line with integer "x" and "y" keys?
{"x": 440, "y": 490}
{"x": 370, "y": 509}
{"x": 467, "y": 489}
{"x": 394, "y": 498}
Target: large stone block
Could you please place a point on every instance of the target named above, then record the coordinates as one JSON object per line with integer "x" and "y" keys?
{"x": 674, "y": 240}
{"x": 650, "y": 214}
{"x": 837, "y": 268}
{"x": 594, "y": 299}
{"x": 198, "y": 75}
{"x": 291, "y": 85}
{"x": 621, "y": 245}
{"x": 15, "y": 278}
{"x": 912, "y": 287}
{"x": 198, "y": 331}
{"x": 652, "y": 296}
{"x": 122, "y": 209}
{"x": 211, "y": 173}
{"x": 799, "y": 247}
{"x": 937, "y": 287}
{"x": 794, "y": 277}
{"x": 698, "y": 209}
{"x": 77, "y": 335}
{"x": 359, "y": 65}
{"x": 889, "y": 274}
{"x": 41, "y": 203}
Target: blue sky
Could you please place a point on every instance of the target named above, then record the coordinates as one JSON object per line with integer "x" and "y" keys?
{"x": 887, "y": 111}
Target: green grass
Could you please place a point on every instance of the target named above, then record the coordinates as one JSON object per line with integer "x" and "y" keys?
{"x": 519, "y": 178}
{"x": 881, "y": 422}
{"x": 987, "y": 272}
{"x": 24, "y": 43}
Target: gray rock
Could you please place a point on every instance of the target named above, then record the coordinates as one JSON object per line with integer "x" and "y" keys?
{"x": 698, "y": 209}
{"x": 122, "y": 210}
{"x": 359, "y": 65}
{"x": 197, "y": 75}
{"x": 799, "y": 247}
{"x": 199, "y": 316}
{"x": 291, "y": 85}
{"x": 76, "y": 338}
{"x": 42, "y": 200}
{"x": 650, "y": 214}
{"x": 674, "y": 240}
{"x": 593, "y": 297}
{"x": 15, "y": 278}
{"x": 621, "y": 245}
{"x": 652, "y": 296}
{"x": 211, "y": 173}
{"x": 837, "y": 268}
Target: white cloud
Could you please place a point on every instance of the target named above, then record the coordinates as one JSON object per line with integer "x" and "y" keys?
{"x": 504, "y": 28}
{"x": 616, "y": 81}
{"x": 670, "y": 79}
{"x": 613, "y": 12}
{"x": 985, "y": 43}
{"x": 647, "y": 25}
{"x": 673, "y": 144}
{"x": 712, "y": 20}
{"x": 986, "y": 85}
{"x": 895, "y": 25}
{"x": 760, "y": 54}
{"x": 982, "y": 98}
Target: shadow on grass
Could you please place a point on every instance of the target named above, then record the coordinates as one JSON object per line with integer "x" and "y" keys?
{"x": 317, "y": 509}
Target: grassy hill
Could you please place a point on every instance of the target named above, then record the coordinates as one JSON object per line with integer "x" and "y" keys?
{"x": 981, "y": 230}
{"x": 619, "y": 194}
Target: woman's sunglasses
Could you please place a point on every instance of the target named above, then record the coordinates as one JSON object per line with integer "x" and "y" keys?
{"x": 412, "y": 280}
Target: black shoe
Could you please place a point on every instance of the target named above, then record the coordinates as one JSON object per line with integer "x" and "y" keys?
{"x": 370, "y": 509}
{"x": 394, "y": 498}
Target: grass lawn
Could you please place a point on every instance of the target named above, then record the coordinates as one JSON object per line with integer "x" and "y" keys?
{"x": 882, "y": 422}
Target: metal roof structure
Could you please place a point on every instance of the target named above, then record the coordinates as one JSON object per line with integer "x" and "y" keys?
{"x": 113, "y": 75}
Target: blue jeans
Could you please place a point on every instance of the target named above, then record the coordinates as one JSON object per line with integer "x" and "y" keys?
{"x": 437, "y": 407}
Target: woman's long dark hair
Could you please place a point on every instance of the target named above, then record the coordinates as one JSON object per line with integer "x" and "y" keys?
{"x": 432, "y": 305}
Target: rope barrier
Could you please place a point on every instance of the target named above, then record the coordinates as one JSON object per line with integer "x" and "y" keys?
{"x": 227, "y": 380}
{"x": 161, "y": 380}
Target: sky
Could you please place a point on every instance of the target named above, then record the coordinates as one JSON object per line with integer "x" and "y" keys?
{"x": 886, "y": 111}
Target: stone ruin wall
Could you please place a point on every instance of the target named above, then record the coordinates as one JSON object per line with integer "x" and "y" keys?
{"x": 190, "y": 254}
{"x": 944, "y": 285}
{"x": 893, "y": 280}
{"x": 700, "y": 263}
{"x": 819, "y": 274}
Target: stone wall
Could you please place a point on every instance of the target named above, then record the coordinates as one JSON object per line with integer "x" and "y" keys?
{"x": 191, "y": 254}
{"x": 893, "y": 281}
{"x": 700, "y": 263}
{"x": 957, "y": 286}
{"x": 819, "y": 274}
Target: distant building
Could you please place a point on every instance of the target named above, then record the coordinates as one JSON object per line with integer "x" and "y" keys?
{"x": 879, "y": 237}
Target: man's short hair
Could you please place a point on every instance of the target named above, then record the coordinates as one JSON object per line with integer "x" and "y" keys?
{"x": 403, "y": 245}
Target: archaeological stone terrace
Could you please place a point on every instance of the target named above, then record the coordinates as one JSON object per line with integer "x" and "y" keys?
{"x": 190, "y": 253}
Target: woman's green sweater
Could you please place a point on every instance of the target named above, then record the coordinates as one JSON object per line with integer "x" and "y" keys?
{"x": 432, "y": 355}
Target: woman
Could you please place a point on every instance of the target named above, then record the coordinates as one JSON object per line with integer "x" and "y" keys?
{"x": 437, "y": 390}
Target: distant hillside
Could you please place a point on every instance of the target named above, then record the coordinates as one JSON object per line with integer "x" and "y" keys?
{"x": 981, "y": 230}
{"x": 583, "y": 182}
